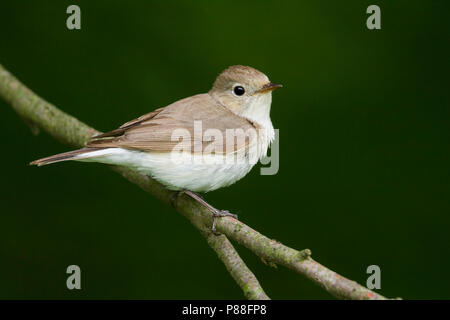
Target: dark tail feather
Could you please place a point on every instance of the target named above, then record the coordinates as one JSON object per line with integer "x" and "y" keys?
{"x": 63, "y": 156}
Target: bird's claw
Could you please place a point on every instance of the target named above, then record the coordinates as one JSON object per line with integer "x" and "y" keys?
{"x": 216, "y": 213}
{"x": 220, "y": 214}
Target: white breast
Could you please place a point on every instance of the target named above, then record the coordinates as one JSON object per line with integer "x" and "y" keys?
{"x": 259, "y": 113}
{"x": 200, "y": 173}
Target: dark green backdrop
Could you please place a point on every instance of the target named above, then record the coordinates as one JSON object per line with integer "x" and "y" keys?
{"x": 364, "y": 154}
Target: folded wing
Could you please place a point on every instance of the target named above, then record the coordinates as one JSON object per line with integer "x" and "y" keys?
{"x": 189, "y": 123}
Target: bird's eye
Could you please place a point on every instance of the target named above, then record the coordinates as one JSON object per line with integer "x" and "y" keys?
{"x": 239, "y": 90}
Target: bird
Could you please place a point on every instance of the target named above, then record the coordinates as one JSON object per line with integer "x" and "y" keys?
{"x": 197, "y": 144}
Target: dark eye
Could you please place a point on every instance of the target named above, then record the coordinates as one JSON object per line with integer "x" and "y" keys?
{"x": 239, "y": 90}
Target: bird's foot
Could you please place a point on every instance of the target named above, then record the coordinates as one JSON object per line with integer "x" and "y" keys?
{"x": 215, "y": 212}
{"x": 219, "y": 214}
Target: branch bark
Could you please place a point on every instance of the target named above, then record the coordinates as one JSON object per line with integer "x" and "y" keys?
{"x": 69, "y": 130}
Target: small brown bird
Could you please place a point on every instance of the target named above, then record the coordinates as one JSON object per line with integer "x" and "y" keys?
{"x": 188, "y": 144}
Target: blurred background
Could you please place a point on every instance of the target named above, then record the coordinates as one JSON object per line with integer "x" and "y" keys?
{"x": 364, "y": 145}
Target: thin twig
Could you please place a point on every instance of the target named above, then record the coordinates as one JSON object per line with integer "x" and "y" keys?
{"x": 236, "y": 266}
{"x": 71, "y": 131}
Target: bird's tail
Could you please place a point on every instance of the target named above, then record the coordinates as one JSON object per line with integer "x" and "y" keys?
{"x": 79, "y": 154}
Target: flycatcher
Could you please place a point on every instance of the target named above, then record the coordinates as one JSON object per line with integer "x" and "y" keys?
{"x": 197, "y": 144}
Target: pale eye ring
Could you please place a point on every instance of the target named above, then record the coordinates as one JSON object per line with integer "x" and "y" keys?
{"x": 239, "y": 90}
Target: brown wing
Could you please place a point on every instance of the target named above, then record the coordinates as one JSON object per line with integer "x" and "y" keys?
{"x": 166, "y": 128}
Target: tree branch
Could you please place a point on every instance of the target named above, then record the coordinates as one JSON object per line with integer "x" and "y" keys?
{"x": 236, "y": 266}
{"x": 69, "y": 130}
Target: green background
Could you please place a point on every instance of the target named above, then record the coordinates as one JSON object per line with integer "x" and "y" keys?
{"x": 364, "y": 145}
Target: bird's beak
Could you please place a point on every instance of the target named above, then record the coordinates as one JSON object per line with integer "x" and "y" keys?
{"x": 268, "y": 87}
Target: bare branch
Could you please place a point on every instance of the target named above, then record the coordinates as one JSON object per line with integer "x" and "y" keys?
{"x": 236, "y": 266}
{"x": 299, "y": 261}
{"x": 71, "y": 131}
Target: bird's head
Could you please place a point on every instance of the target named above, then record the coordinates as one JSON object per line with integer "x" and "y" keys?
{"x": 245, "y": 91}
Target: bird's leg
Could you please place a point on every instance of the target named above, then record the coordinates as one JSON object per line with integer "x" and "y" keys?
{"x": 173, "y": 197}
{"x": 215, "y": 212}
